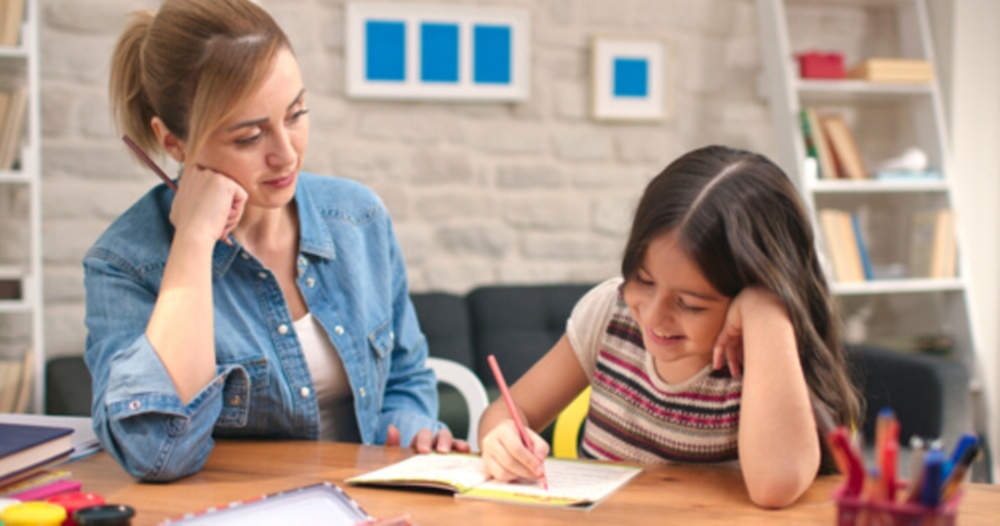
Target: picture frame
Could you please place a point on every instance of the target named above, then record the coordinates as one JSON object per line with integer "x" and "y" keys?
{"x": 629, "y": 79}
{"x": 437, "y": 52}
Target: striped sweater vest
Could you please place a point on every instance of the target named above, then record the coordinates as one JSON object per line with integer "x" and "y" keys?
{"x": 632, "y": 419}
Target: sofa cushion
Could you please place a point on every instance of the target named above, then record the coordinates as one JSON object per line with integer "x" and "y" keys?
{"x": 518, "y": 324}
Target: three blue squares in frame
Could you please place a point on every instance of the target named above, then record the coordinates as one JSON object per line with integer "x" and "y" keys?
{"x": 439, "y": 52}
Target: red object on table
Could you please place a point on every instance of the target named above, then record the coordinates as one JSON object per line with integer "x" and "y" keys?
{"x": 75, "y": 501}
{"x": 817, "y": 65}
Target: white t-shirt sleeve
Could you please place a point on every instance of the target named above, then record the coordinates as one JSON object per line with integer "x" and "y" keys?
{"x": 588, "y": 321}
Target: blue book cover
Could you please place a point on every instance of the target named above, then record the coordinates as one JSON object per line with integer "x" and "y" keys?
{"x": 25, "y": 449}
{"x": 866, "y": 262}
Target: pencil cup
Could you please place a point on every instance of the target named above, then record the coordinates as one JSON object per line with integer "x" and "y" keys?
{"x": 855, "y": 511}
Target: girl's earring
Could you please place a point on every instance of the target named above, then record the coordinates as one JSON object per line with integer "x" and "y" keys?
{"x": 180, "y": 170}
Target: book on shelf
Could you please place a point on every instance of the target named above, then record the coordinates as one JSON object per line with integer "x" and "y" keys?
{"x": 892, "y": 70}
{"x": 27, "y": 449}
{"x": 11, "y": 18}
{"x": 843, "y": 146}
{"x": 817, "y": 143}
{"x": 15, "y": 383}
{"x": 932, "y": 245}
{"x": 12, "y": 127}
{"x": 842, "y": 245}
{"x": 574, "y": 484}
{"x": 859, "y": 238}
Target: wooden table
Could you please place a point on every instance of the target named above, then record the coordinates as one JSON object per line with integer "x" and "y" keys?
{"x": 680, "y": 494}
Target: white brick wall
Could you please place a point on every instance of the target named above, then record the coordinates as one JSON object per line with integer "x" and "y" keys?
{"x": 481, "y": 193}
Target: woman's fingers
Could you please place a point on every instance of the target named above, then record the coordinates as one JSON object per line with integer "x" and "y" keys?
{"x": 443, "y": 441}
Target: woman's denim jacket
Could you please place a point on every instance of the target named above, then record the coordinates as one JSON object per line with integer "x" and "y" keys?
{"x": 352, "y": 276}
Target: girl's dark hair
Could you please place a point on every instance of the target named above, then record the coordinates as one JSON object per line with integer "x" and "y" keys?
{"x": 191, "y": 63}
{"x": 740, "y": 219}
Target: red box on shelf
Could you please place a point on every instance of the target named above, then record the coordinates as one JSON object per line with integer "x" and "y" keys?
{"x": 816, "y": 65}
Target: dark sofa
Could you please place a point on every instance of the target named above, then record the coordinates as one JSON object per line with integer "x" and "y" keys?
{"x": 518, "y": 324}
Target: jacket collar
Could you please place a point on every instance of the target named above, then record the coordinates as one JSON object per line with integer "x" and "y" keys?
{"x": 314, "y": 236}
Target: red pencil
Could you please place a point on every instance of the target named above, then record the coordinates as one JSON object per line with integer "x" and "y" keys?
{"x": 149, "y": 162}
{"x": 525, "y": 438}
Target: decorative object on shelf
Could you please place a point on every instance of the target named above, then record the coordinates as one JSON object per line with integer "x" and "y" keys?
{"x": 442, "y": 52}
{"x": 911, "y": 165}
{"x": 629, "y": 79}
{"x": 893, "y": 70}
{"x": 820, "y": 65}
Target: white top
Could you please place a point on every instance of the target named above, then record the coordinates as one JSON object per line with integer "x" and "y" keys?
{"x": 333, "y": 390}
{"x": 587, "y": 323}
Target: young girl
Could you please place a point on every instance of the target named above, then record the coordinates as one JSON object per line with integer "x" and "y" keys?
{"x": 709, "y": 347}
{"x": 257, "y": 300}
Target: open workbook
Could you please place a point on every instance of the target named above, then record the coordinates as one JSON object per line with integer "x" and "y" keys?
{"x": 579, "y": 484}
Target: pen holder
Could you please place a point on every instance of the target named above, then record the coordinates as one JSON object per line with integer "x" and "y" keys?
{"x": 855, "y": 511}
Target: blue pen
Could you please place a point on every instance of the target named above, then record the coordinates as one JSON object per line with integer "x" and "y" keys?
{"x": 964, "y": 443}
{"x": 930, "y": 490}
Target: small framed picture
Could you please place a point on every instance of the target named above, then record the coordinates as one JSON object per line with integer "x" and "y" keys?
{"x": 629, "y": 79}
{"x": 437, "y": 51}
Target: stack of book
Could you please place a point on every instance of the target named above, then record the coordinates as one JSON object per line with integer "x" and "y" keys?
{"x": 846, "y": 246}
{"x": 893, "y": 70}
{"x": 932, "y": 245}
{"x": 25, "y": 453}
{"x": 829, "y": 140}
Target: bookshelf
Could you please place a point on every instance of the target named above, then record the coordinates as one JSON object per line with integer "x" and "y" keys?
{"x": 21, "y": 183}
{"x": 885, "y": 118}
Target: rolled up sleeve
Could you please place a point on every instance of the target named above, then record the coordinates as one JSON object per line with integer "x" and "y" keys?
{"x": 137, "y": 414}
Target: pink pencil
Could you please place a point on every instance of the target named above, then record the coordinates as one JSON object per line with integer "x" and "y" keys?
{"x": 149, "y": 162}
{"x": 525, "y": 438}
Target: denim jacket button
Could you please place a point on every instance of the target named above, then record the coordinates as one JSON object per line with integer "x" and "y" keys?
{"x": 244, "y": 255}
{"x": 235, "y": 400}
{"x": 262, "y": 275}
{"x": 303, "y": 261}
{"x": 304, "y": 392}
{"x": 282, "y": 329}
{"x": 338, "y": 330}
{"x": 134, "y": 404}
{"x": 361, "y": 392}
{"x": 310, "y": 282}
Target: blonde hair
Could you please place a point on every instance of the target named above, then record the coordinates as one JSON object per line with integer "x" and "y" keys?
{"x": 190, "y": 64}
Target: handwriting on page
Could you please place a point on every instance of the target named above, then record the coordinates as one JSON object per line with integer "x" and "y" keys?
{"x": 576, "y": 480}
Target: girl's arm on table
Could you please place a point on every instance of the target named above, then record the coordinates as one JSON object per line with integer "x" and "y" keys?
{"x": 778, "y": 443}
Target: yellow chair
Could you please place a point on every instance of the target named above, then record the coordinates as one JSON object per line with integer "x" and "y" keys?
{"x": 566, "y": 434}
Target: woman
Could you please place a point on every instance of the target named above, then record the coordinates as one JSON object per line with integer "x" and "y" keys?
{"x": 257, "y": 300}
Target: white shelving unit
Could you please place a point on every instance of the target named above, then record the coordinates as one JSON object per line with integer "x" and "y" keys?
{"x": 21, "y": 61}
{"x": 905, "y": 307}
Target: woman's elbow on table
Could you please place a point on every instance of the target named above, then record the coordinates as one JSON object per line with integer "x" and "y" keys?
{"x": 155, "y": 448}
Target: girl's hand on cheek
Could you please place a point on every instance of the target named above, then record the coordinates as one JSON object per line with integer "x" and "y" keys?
{"x": 728, "y": 348}
{"x": 208, "y": 205}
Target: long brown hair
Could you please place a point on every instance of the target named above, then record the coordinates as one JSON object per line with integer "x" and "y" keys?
{"x": 191, "y": 63}
{"x": 740, "y": 218}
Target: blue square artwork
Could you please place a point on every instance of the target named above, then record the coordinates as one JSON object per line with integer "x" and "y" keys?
{"x": 491, "y": 51}
{"x": 631, "y": 77}
{"x": 385, "y": 45}
{"x": 438, "y": 52}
